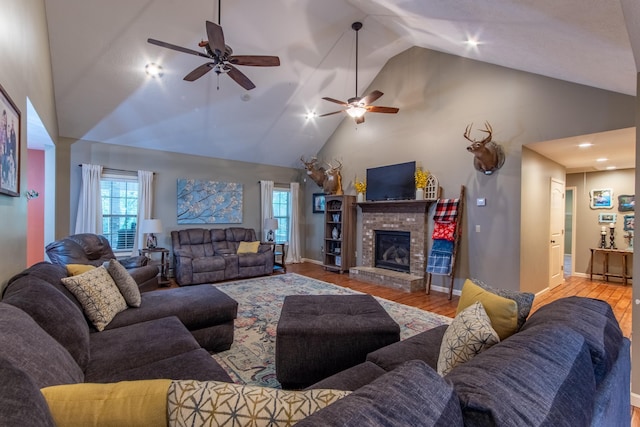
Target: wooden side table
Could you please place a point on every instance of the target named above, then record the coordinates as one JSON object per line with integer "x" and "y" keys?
{"x": 279, "y": 251}
{"x": 605, "y": 264}
{"x": 164, "y": 262}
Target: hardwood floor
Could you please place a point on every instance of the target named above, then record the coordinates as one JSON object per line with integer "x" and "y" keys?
{"x": 616, "y": 294}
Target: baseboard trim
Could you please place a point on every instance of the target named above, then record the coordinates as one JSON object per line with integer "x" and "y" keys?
{"x": 312, "y": 261}
{"x": 456, "y": 292}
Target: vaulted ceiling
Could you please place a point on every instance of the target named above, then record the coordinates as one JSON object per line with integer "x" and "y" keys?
{"x": 99, "y": 52}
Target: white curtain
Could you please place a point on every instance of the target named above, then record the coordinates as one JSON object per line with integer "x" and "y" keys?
{"x": 266, "y": 203}
{"x": 293, "y": 253}
{"x": 89, "y": 217}
{"x": 145, "y": 203}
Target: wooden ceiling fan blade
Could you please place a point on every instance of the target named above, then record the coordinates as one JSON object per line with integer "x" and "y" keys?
{"x": 371, "y": 98}
{"x": 255, "y": 60}
{"x": 216, "y": 37}
{"x": 344, "y": 104}
{"x": 178, "y": 48}
{"x": 376, "y": 109}
{"x": 199, "y": 72}
{"x": 332, "y": 113}
{"x": 239, "y": 77}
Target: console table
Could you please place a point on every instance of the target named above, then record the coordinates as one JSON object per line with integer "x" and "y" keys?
{"x": 605, "y": 264}
{"x": 164, "y": 262}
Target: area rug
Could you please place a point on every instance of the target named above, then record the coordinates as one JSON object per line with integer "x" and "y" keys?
{"x": 251, "y": 358}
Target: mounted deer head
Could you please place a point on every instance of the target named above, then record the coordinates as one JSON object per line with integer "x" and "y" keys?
{"x": 315, "y": 172}
{"x": 333, "y": 180}
{"x": 488, "y": 156}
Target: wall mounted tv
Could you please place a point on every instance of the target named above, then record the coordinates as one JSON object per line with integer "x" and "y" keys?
{"x": 393, "y": 182}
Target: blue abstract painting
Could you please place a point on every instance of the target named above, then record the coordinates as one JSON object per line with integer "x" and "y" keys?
{"x": 209, "y": 202}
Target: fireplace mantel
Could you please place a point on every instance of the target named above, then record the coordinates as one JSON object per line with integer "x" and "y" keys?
{"x": 397, "y": 206}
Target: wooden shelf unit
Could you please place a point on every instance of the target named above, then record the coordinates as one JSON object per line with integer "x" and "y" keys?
{"x": 339, "y": 251}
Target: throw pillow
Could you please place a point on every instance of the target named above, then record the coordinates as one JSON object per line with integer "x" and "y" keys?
{"x": 128, "y": 403}
{"x": 469, "y": 334}
{"x": 76, "y": 269}
{"x": 125, "y": 283}
{"x": 523, "y": 299}
{"x": 213, "y": 403}
{"x": 98, "y": 294}
{"x": 248, "y": 247}
{"x": 503, "y": 312}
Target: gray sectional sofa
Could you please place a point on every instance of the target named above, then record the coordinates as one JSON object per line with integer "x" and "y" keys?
{"x": 210, "y": 255}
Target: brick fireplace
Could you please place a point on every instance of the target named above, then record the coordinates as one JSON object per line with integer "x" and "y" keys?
{"x": 409, "y": 216}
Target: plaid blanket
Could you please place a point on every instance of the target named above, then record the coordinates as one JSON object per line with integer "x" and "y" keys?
{"x": 439, "y": 260}
{"x": 446, "y": 210}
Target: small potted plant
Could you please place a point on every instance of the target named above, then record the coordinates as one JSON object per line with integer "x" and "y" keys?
{"x": 421, "y": 183}
{"x": 361, "y": 188}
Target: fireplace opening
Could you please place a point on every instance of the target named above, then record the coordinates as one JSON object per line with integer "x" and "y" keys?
{"x": 393, "y": 250}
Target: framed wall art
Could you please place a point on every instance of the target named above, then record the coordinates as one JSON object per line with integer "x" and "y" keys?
{"x": 626, "y": 202}
{"x": 9, "y": 146}
{"x": 318, "y": 202}
{"x": 601, "y": 199}
{"x": 607, "y": 218}
{"x": 629, "y": 222}
{"x": 209, "y": 202}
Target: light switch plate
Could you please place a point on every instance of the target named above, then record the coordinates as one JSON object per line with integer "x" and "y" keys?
{"x": 481, "y": 202}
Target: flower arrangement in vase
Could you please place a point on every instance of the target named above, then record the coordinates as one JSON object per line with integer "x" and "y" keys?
{"x": 421, "y": 182}
{"x": 361, "y": 188}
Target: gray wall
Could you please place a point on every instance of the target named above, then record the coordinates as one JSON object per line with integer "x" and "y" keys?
{"x": 438, "y": 96}
{"x": 168, "y": 167}
{"x": 25, "y": 73}
{"x": 587, "y": 226}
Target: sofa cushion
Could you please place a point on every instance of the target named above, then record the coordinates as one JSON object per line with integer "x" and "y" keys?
{"x": 128, "y": 403}
{"x": 503, "y": 312}
{"x": 593, "y": 319}
{"x": 125, "y": 283}
{"x": 248, "y": 247}
{"x": 27, "y": 346}
{"x": 351, "y": 379}
{"x": 137, "y": 345}
{"x": 469, "y": 334}
{"x": 207, "y": 264}
{"x": 54, "y": 313}
{"x": 97, "y": 292}
{"x": 542, "y": 376}
{"x": 523, "y": 299}
{"x": 21, "y": 403}
{"x": 213, "y": 403}
{"x": 412, "y": 395}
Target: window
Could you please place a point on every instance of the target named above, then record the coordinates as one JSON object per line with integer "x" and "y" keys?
{"x": 281, "y": 213}
{"x": 119, "y": 195}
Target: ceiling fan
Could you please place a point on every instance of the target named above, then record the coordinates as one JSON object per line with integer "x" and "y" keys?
{"x": 220, "y": 54}
{"x": 357, "y": 106}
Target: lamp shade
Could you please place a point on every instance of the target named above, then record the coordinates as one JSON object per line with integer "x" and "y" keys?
{"x": 151, "y": 226}
{"x": 270, "y": 224}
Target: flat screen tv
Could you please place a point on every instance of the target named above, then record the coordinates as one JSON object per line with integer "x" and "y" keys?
{"x": 393, "y": 182}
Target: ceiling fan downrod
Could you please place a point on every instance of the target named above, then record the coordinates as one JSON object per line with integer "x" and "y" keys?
{"x": 356, "y": 26}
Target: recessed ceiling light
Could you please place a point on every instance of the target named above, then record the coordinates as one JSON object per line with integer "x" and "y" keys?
{"x": 472, "y": 42}
{"x": 585, "y": 145}
{"x": 610, "y": 168}
{"x": 153, "y": 70}
{"x": 602, "y": 159}
{"x": 311, "y": 115}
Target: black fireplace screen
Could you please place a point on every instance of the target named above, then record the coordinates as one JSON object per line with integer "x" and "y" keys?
{"x": 393, "y": 250}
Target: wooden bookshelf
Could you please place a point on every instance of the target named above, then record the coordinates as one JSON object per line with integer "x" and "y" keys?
{"x": 339, "y": 233}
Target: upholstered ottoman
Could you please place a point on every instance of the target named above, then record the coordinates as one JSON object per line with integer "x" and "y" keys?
{"x": 320, "y": 335}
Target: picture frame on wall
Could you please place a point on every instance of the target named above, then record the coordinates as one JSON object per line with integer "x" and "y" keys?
{"x": 318, "y": 203}
{"x": 626, "y": 202}
{"x": 629, "y": 222}
{"x": 10, "y": 137}
{"x": 607, "y": 218}
{"x": 601, "y": 198}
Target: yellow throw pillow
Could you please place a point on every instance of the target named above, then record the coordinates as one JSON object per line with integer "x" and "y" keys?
{"x": 127, "y": 403}
{"x": 76, "y": 269}
{"x": 503, "y": 312}
{"x": 248, "y": 247}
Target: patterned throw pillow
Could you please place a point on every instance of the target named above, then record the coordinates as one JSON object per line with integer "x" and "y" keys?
{"x": 213, "y": 403}
{"x": 127, "y": 284}
{"x": 469, "y": 334}
{"x": 523, "y": 299}
{"x": 98, "y": 294}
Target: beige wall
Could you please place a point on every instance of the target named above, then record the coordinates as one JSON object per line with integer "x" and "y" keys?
{"x": 537, "y": 172}
{"x": 168, "y": 168}
{"x": 25, "y": 73}
{"x": 587, "y": 233}
{"x": 438, "y": 96}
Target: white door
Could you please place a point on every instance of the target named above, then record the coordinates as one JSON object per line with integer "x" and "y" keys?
{"x": 556, "y": 233}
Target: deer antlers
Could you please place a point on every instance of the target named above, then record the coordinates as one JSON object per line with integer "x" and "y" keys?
{"x": 488, "y": 156}
{"x": 487, "y": 128}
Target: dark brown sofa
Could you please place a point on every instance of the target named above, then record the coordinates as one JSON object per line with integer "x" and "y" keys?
{"x": 94, "y": 249}
{"x": 210, "y": 255}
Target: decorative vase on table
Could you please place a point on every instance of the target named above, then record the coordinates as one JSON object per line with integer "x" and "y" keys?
{"x": 360, "y": 197}
{"x": 419, "y": 193}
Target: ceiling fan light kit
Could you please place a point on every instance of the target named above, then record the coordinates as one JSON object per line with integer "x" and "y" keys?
{"x": 357, "y": 107}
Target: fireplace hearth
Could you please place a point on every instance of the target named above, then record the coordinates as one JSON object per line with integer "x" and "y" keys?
{"x": 393, "y": 250}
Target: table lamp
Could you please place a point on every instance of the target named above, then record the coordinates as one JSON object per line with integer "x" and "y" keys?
{"x": 270, "y": 224}
{"x": 150, "y": 227}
